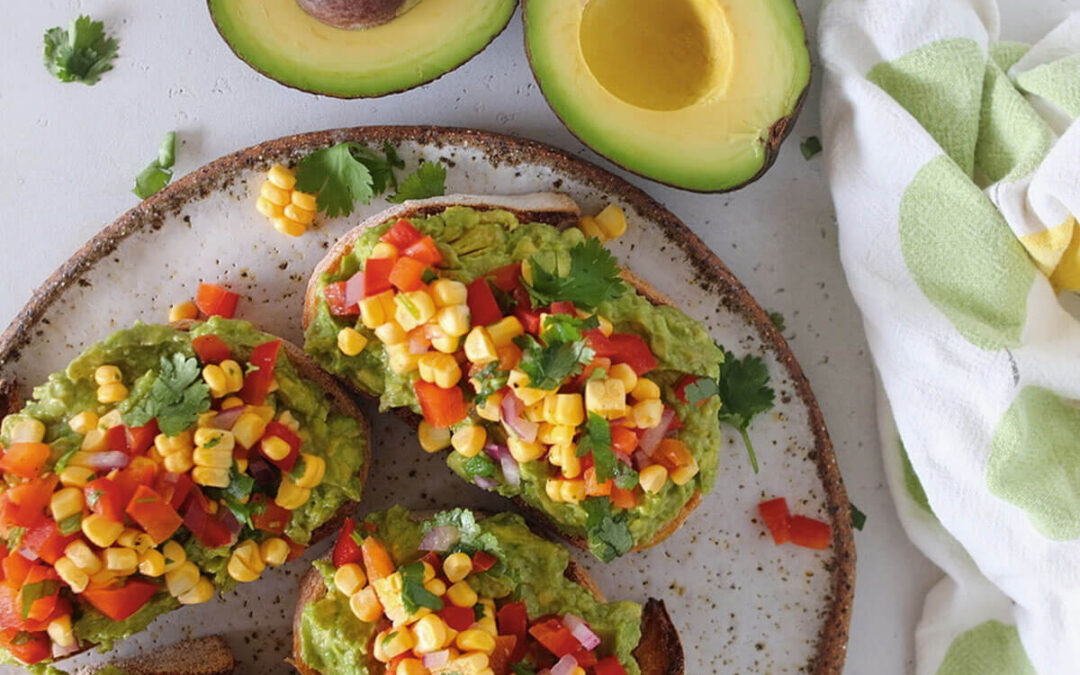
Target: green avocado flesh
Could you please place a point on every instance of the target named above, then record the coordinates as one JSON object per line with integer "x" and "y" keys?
{"x": 693, "y": 93}
{"x": 473, "y": 243}
{"x": 282, "y": 41}
{"x": 530, "y": 569}
{"x": 137, "y": 351}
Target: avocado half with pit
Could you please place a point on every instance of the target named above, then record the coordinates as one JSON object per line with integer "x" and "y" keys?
{"x": 697, "y": 94}
{"x": 358, "y": 48}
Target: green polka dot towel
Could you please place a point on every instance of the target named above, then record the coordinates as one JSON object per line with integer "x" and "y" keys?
{"x": 954, "y": 163}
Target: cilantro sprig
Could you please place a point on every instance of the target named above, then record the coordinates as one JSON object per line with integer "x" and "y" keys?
{"x": 489, "y": 380}
{"x": 608, "y": 533}
{"x": 592, "y": 278}
{"x": 158, "y": 173}
{"x": 176, "y": 398}
{"x": 428, "y": 181}
{"x": 413, "y": 594}
{"x": 597, "y": 439}
{"x": 80, "y": 53}
{"x": 563, "y": 353}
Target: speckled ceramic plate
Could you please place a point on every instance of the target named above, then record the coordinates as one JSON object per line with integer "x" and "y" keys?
{"x": 742, "y": 605}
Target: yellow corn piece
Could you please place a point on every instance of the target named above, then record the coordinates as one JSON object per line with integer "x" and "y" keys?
{"x": 83, "y": 422}
{"x": 490, "y": 410}
{"x": 611, "y": 221}
{"x": 350, "y": 341}
{"x": 624, "y": 373}
{"x": 101, "y": 531}
{"x": 60, "y": 631}
{"x": 457, "y": 566}
{"x": 429, "y": 634}
{"x": 274, "y": 194}
{"x": 314, "y": 470}
{"x": 391, "y": 333}
{"x": 304, "y": 200}
{"x": 269, "y": 208}
{"x": 447, "y": 293}
{"x": 373, "y": 312}
{"x": 274, "y": 551}
{"x": 76, "y": 476}
{"x": 210, "y": 476}
{"x": 182, "y": 578}
{"x": 433, "y": 439}
{"x": 152, "y": 563}
{"x": 652, "y": 478}
{"x": 288, "y": 227}
{"x": 461, "y": 594}
{"x": 645, "y": 389}
{"x": 281, "y": 177}
{"x": 475, "y": 641}
{"x": 524, "y": 451}
{"x": 290, "y": 495}
{"x": 71, "y": 575}
{"x": 503, "y": 331}
{"x": 79, "y": 553}
{"x": 200, "y": 593}
{"x": 350, "y": 578}
{"x": 123, "y": 561}
{"x": 479, "y": 348}
{"x": 469, "y": 440}
{"x": 66, "y": 503}
{"x": 365, "y": 605}
{"x": 298, "y": 215}
{"x": 106, "y": 374}
{"x": 606, "y": 397}
{"x": 27, "y": 430}
{"x": 114, "y": 392}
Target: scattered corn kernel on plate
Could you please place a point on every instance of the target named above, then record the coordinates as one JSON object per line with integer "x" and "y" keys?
{"x": 741, "y": 603}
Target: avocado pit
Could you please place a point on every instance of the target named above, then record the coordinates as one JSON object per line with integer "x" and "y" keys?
{"x": 356, "y": 14}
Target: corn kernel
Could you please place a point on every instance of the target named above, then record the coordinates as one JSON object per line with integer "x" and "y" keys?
{"x": 606, "y": 398}
{"x": 183, "y": 310}
{"x": 106, "y": 375}
{"x": 535, "y": 412}
{"x": 391, "y": 333}
{"x": 93, "y": 441}
{"x": 200, "y": 593}
{"x": 469, "y": 440}
{"x": 152, "y": 563}
{"x": 304, "y": 200}
{"x": 555, "y": 434}
{"x": 686, "y": 473}
{"x": 289, "y": 228}
{"x": 350, "y": 341}
{"x": 519, "y": 381}
{"x": 298, "y": 215}
{"x": 350, "y": 578}
{"x": 448, "y": 293}
{"x": 392, "y": 642}
{"x": 645, "y": 389}
{"x": 623, "y": 372}
{"x": 215, "y": 378}
{"x": 383, "y": 250}
{"x": 234, "y": 375}
{"x": 553, "y": 489}
{"x": 365, "y": 605}
{"x": 652, "y": 478}
{"x": 101, "y": 531}
{"x": 113, "y": 392}
{"x": 179, "y": 462}
{"x": 479, "y": 348}
{"x": 435, "y": 587}
{"x": 248, "y": 429}
{"x": 288, "y": 420}
{"x": 71, "y": 575}
{"x": 79, "y": 553}
{"x": 245, "y": 563}
{"x": 268, "y": 208}
{"x": 606, "y": 329}
{"x": 76, "y": 476}
{"x": 205, "y": 419}
{"x": 429, "y": 571}
{"x": 211, "y": 476}
{"x": 372, "y": 314}
{"x": 565, "y": 456}
{"x": 433, "y": 439}
{"x": 429, "y": 634}
{"x": 291, "y": 496}
{"x": 214, "y": 439}
{"x": 314, "y": 471}
{"x": 647, "y": 413}
{"x": 175, "y": 556}
{"x": 60, "y": 631}
{"x": 572, "y": 491}
{"x": 457, "y": 566}
{"x": 475, "y": 641}
{"x": 111, "y": 419}
{"x": 590, "y": 228}
{"x": 473, "y": 662}
{"x": 182, "y": 579}
{"x": 66, "y": 503}
{"x": 274, "y": 194}
{"x": 443, "y": 368}
{"x": 131, "y": 538}
{"x": 123, "y": 561}
{"x": 445, "y": 343}
{"x": 213, "y": 457}
{"x": 612, "y": 221}
{"x": 454, "y": 320}
{"x": 524, "y": 451}
{"x": 491, "y": 408}
{"x": 412, "y": 667}
{"x": 461, "y": 594}
{"x": 28, "y": 430}
{"x": 274, "y": 551}
{"x": 402, "y": 362}
{"x": 414, "y": 308}
{"x": 281, "y": 177}
{"x": 503, "y": 331}
{"x": 83, "y": 422}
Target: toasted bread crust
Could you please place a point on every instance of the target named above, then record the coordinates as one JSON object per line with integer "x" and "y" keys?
{"x": 208, "y": 655}
{"x": 659, "y": 652}
{"x": 558, "y": 209}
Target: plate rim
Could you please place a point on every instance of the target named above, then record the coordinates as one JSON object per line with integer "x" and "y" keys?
{"x": 501, "y": 149}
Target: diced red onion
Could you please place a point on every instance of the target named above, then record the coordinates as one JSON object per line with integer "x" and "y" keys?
{"x": 440, "y": 538}
{"x": 418, "y": 342}
{"x": 28, "y": 554}
{"x": 485, "y": 482}
{"x": 565, "y": 666}
{"x": 59, "y": 652}
{"x": 354, "y": 289}
{"x": 641, "y": 460}
{"x": 227, "y": 418}
{"x": 580, "y": 630}
{"x": 511, "y": 470}
{"x": 650, "y": 440}
{"x": 260, "y": 470}
{"x": 229, "y": 522}
{"x": 108, "y": 460}
{"x": 513, "y": 417}
{"x": 436, "y": 659}
{"x": 623, "y": 457}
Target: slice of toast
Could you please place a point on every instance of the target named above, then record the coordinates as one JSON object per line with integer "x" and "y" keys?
{"x": 543, "y": 207}
{"x": 659, "y": 652}
{"x": 208, "y": 655}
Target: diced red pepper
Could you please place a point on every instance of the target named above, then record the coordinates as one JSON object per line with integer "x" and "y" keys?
{"x": 25, "y": 460}
{"x": 295, "y": 550}
{"x": 28, "y": 501}
{"x": 555, "y": 637}
{"x": 529, "y": 318}
{"x": 777, "y": 518}
{"x": 116, "y": 438}
{"x": 513, "y": 619}
{"x": 335, "y": 299}
{"x": 141, "y": 438}
{"x": 257, "y": 382}
{"x": 507, "y": 277}
{"x": 432, "y": 558}
{"x": 273, "y": 519}
{"x": 173, "y": 487}
{"x": 30, "y": 648}
{"x": 673, "y": 454}
{"x": 594, "y": 489}
{"x": 377, "y": 562}
{"x": 153, "y": 514}
{"x": 425, "y": 250}
{"x": 45, "y": 540}
{"x": 483, "y": 309}
{"x": 346, "y": 550}
{"x": 441, "y": 407}
{"x": 120, "y": 602}
{"x": 632, "y": 350}
{"x": 16, "y": 566}
{"x": 402, "y": 235}
{"x": 213, "y": 300}
{"x": 586, "y": 658}
{"x": 458, "y": 618}
{"x": 279, "y": 430}
{"x": 407, "y": 274}
{"x": 41, "y": 608}
{"x": 210, "y": 348}
{"x": 810, "y": 533}
{"x": 609, "y": 665}
{"x": 207, "y": 528}
{"x": 482, "y": 561}
{"x": 623, "y": 440}
{"x": 140, "y": 472}
{"x": 562, "y": 307}
{"x": 623, "y": 499}
{"x": 105, "y": 498}
{"x": 377, "y": 276}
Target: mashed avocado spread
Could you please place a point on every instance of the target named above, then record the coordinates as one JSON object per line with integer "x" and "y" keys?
{"x": 336, "y": 438}
{"x": 530, "y": 569}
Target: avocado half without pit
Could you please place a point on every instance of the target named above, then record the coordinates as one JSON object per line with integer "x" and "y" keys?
{"x": 358, "y": 48}
{"x": 697, "y": 94}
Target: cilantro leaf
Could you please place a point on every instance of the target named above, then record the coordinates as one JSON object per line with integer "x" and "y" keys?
{"x": 625, "y": 476}
{"x": 81, "y": 53}
{"x": 237, "y": 497}
{"x": 429, "y": 180}
{"x": 36, "y": 591}
{"x": 70, "y": 525}
{"x": 472, "y": 537}
{"x": 597, "y": 440}
{"x": 522, "y": 669}
{"x": 547, "y": 367}
{"x": 700, "y": 389}
{"x": 744, "y": 393}
{"x": 158, "y": 173}
{"x": 176, "y": 397}
{"x": 15, "y": 537}
{"x": 608, "y": 534}
{"x": 858, "y": 518}
{"x": 566, "y": 328}
{"x": 480, "y": 465}
{"x": 489, "y": 380}
{"x": 413, "y": 594}
{"x": 592, "y": 278}
{"x": 778, "y": 320}
{"x": 337, "y": 177}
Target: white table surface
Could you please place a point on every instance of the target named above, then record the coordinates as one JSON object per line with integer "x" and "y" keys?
{"x": 70, "y": 153}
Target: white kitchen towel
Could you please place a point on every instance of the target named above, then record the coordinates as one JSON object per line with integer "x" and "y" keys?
{"x": 954, "y": 165}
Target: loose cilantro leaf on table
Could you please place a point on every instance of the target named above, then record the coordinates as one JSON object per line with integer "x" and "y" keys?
{"x": 858, "y": 518}
{"x": 597, "y": 440}
{"x": 413, "y": 594}
{"x": 339, "y": 176}
{"x": 778, "y": 320}
{"x": 176, "y": 397}
{"x": 158, "y": 173}
{"x": 428, "y": 181}
{"x": 547, "y": 367}
{"x": 810, "y": 147}
{"x": 609, "y": 536}
{"x": 593, "y": 277}
{"x": 744, "y": 392}
{"x": 490, "y": 379}
{"x": 81, "y": 53}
